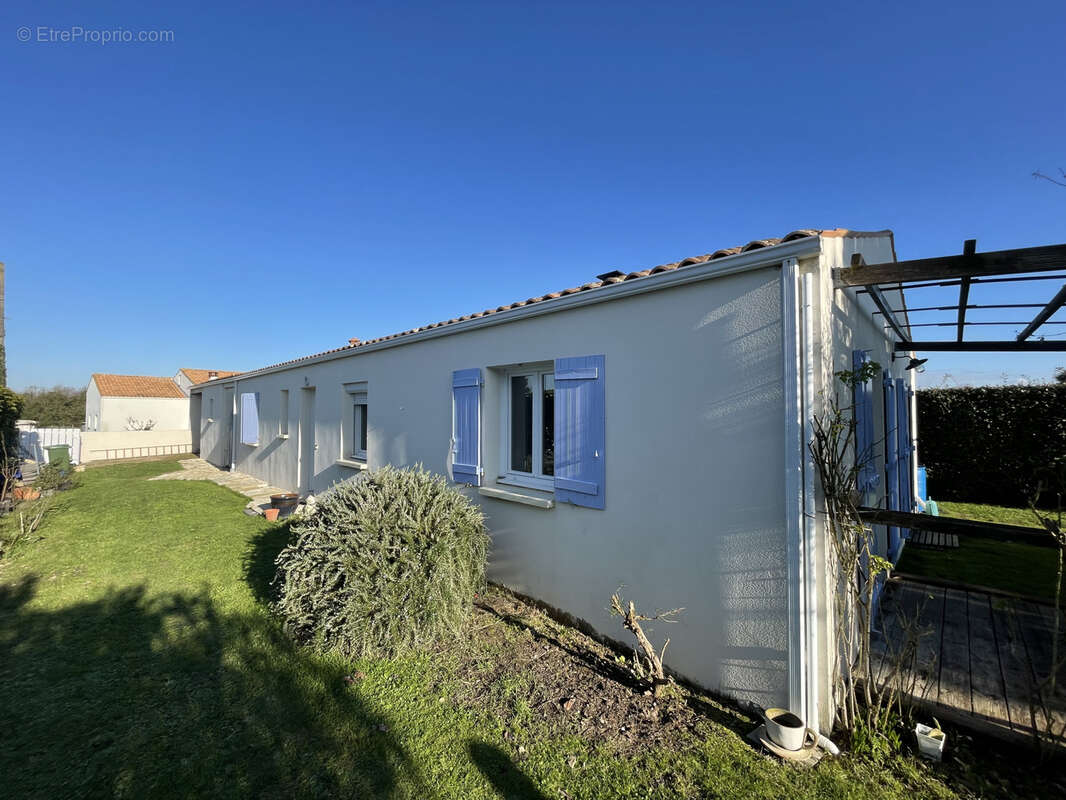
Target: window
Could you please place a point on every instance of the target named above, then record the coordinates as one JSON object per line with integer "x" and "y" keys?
{"x": 283, "y": 414}
{"x": 250, "y": 418}
{"x": 530, "y": 427}
{"x": 359, "y": 428}
{"x": 211, "y": 409}
{"x": 354, "y": 424}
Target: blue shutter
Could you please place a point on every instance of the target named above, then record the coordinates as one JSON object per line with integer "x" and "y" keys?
{"x": 863, "y": 403}
{"x": 250, "y": 418}
{"x": 580, "y": 431}
{"x": 466, "y": 426}
{"x": 903, "y": 428}
{"x": 891, "y": 457}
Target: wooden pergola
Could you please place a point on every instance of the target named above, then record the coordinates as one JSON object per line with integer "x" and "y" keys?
{"x": 1024, "y": 265}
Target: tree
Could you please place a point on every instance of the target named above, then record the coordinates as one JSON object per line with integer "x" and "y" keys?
{"x": 1060, "y": 374}
{"x": 1056, "y": 181}
{"x": 58, "y": 407}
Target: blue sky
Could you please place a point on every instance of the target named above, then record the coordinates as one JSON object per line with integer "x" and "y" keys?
{"x": 281, "y": 177}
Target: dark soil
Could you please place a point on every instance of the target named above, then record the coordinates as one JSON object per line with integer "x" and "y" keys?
{"x": 520, "y": 661}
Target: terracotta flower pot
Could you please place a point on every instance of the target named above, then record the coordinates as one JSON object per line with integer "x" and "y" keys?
{"x": 272, "y": 513}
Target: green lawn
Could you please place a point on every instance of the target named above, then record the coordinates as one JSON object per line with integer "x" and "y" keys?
{"x": 1011, "y": 566}
{"x": 138, "y": 659}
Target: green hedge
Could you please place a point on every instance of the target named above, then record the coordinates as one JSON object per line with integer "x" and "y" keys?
{"x": 988, "y": 444}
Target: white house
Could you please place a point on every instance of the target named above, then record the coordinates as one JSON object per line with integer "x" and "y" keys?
{"x": 112, "y": 401}
{"x": 186, "y": 377}
{"x": 645, "y": 429}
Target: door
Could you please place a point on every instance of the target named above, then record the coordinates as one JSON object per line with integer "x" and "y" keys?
{"x": 196, "y": 408}
{"x": 227, "y": 428}
{"x": 307, "y": 439}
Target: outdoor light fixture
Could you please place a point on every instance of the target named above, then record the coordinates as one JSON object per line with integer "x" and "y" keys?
{"x": 916, "y": 363}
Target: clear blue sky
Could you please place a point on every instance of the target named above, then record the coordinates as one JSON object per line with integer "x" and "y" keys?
{"x": 276, "y": 180}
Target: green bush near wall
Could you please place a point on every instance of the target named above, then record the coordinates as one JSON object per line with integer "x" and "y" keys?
{"x": 988, "y": 444}
{"x": 10, "y": 412}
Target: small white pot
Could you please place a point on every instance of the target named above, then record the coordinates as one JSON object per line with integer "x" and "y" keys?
{"x": 930, "y": 741}
{"x": 784, "y": 728}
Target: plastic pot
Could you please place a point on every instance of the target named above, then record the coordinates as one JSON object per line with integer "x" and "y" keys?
{"x": 931, "y": 741}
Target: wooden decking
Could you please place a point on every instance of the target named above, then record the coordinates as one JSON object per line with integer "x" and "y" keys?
{"x": 981, "y": 657}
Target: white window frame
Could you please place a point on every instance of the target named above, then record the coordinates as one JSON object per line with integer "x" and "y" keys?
{"x": 535, "y": 479}
{"x": 355, "y": 396}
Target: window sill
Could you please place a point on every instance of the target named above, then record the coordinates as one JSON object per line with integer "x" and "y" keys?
{"x": 350, "y": 464}
{"x": 516, "y": 497}
{"x": 283, "y": 436}
{"x": 525, "y": 481}
{"x": 250, "y": 444}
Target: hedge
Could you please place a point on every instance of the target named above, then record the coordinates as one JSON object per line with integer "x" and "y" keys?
{"x": 988, "y": 444}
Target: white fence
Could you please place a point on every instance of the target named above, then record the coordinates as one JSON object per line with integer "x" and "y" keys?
{"x": 34, "y": 440}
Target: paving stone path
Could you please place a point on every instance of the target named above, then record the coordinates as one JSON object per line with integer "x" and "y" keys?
{"x": 196, "y": 469}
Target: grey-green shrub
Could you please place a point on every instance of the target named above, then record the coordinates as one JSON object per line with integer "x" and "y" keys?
{"x": 389, "y": 562}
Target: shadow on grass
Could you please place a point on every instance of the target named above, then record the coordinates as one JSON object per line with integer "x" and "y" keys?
{"x": 498, "y": 768}
{"x": 137, "y": 695}
{"x": 260, "y": 558}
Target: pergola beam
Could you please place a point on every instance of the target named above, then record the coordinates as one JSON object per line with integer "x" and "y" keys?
{"x": 969, "y": 247}
{"x": 996, "y": 262}
{"x": 1045, "y": 314}
{"x": 886, "y": 311}
{"x": 1010, "y": 346}
{"x": 961, "y": 527}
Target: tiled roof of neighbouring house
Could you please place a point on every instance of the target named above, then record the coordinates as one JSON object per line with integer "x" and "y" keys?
{"x": 604, "y": 279}
{"x": 136, "y": 386}
{"x": 203, "y": 375}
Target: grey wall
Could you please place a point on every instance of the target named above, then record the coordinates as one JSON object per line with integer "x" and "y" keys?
{"x": 694, "y": 511}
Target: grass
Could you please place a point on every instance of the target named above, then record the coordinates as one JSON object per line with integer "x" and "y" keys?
{"x": 1010, "y": 566}
{"x": 138, "y": 659}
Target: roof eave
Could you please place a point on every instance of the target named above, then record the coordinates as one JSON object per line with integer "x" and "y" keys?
{"x": 728, "y": 265}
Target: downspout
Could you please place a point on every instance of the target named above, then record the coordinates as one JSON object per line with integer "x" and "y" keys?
{"x": 810, "y": 530}
{"x": 792, "y": 385}
{"x": 797, "y": 321}
{"x": 233, "y": 426}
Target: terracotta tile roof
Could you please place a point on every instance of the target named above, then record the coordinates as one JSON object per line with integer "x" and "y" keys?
{"x": 202, "y": 375}
{"x": 605, "y": 279}
{"x": 136, "y": 386}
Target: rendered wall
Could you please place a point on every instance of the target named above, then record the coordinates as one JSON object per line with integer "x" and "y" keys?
{"x": 104, "y": 446}
{"x": 845, "y": 322}
{"x": 169, "y": 413}
{"x": 694, "y": 511}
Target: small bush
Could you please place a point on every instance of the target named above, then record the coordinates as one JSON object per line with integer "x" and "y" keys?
{"x": 389, "y": 562}
{"x": 52, "y": 476}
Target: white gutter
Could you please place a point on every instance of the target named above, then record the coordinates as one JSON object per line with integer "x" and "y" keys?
{"x": 730, "y": 265}
{"x": 794, "y": 488}
{"x": 797, "y": 326}
{"x": 810, "y": 531}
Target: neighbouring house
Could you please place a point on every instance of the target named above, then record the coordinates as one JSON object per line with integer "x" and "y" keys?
{"x": 644, "y": 429}
{"x": 129, "y": 402}
{"x": 186, "y": 378}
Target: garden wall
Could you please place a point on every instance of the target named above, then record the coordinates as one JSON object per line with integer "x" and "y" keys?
{"x": 109, "y": 445}
{"x": 989, "y": 444}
